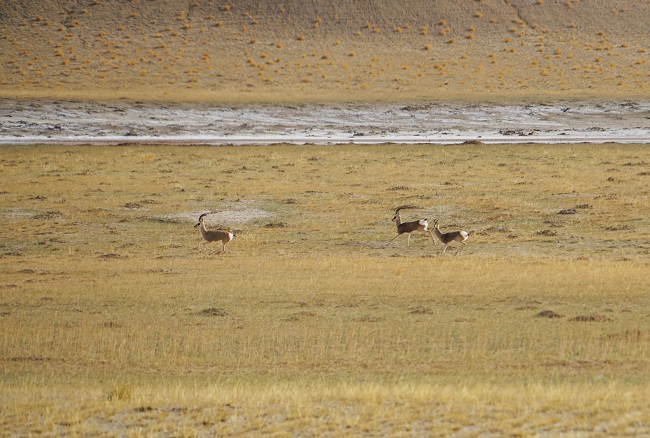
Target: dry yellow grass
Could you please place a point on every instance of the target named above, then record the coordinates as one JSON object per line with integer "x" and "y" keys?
{"x": 114, "y": 321}
{"x": 191, "y": 407}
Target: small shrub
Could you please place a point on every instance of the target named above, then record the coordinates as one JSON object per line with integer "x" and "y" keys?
{"x": 420, "y": 310}
{"x": 591, "y": 318}
{"x": 549, "y": 314}
{"x": 213, "y": 311}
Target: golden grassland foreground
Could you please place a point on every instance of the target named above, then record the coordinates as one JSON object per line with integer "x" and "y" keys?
{"x": 295, "y": 50}
{"x": 115, "y": 320}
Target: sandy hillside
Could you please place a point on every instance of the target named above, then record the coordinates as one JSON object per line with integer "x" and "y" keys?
{"x": 390, "y": 49}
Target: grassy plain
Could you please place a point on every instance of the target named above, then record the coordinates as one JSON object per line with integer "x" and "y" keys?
{"x": 114, "y": 320}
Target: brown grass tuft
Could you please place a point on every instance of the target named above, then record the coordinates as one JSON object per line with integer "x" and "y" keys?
{"x": 549, "y": 314}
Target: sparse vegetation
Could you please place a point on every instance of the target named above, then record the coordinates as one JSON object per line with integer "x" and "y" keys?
{"x": 225, "y": 29}
{"x": 114, "y": 323}
{"x": 123, "y": 330}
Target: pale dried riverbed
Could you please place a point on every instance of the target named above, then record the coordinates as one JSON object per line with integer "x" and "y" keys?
{"x": 118, "y": 122}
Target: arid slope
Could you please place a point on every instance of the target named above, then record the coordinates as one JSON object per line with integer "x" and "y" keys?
{"x": 391, "y": 49}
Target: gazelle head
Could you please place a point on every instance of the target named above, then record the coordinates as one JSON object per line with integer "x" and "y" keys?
{"x": 200, "y": 220}
{"x": 397, "y": 216}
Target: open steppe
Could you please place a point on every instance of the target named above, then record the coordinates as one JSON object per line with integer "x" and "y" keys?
{"x": 115, "y": 320}
{"x": 248, "y": 50}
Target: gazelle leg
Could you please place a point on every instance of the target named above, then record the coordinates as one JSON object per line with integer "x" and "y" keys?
{"x": 408, "y": 241}
{"x": 461, "y": 248}
{"x": 432, "y": 239}
{"x": 444, "y": 248}
{"x": 392, "y": 240}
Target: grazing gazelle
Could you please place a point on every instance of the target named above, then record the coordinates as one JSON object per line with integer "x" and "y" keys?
{"x": 214, "y": 236}
{"x": 421, "y": 226}
{"x": 447, "y": 238}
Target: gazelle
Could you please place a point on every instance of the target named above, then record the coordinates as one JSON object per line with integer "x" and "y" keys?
{"x": 214, "y": 236}
{"x": 421, "y": 226}
{"x": 447, "y": 238}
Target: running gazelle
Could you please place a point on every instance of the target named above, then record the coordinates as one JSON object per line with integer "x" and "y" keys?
{"x": 452, "y": 236}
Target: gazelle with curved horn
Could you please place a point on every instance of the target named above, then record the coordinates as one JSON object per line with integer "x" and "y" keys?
{"x": 213, "y": 236}
{"x": 452, "y": 236}
{"x": 420, "y": 226}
